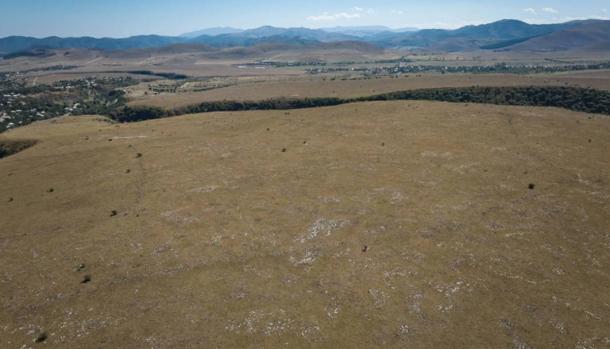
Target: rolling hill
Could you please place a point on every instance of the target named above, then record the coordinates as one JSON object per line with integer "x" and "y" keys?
{"x": 13, "y": 44}
{"x": 588, "y": 36}
{"x": 387, "y": 224}
{"x": 470, "y": 37}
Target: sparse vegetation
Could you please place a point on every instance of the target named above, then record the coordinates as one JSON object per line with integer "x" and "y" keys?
{"x": 415, "y": 235}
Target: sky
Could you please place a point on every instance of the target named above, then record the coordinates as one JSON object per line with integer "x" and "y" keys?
{"x": 122, "y": 18}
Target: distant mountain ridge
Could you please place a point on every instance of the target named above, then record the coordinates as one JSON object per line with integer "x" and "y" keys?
{"x": 593, "y": 36}
{"x": 504, "y": 34}
{"x": 212, "y": 32}
{"x": 13, "y": 44}
{"x": 367, "y": 31}
{"x": 471, "y": 37}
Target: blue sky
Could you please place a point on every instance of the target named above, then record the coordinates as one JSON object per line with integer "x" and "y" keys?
{"x": 120, "y": 18}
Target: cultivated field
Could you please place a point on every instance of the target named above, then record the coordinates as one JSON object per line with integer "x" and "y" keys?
{"x": 389, "y": 224}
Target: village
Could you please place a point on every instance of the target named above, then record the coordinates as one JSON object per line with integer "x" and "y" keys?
{"x": 21, "y": 104}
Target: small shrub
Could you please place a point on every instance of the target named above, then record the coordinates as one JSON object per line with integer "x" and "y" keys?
{"x": 42, "y": 336}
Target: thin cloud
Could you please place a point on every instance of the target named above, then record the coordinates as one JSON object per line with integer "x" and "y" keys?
{"x": 550, "y": 10}
{"x": 334, "y": 16}
{"x": 354, "y": 13}
{"x": 530, "y": 10}
{"x": 582, "y": 18}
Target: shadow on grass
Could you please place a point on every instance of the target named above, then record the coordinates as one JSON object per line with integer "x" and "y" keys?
{"x": 10, "y": 147}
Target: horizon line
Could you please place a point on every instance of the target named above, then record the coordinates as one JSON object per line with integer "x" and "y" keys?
{"x": 302, "y": 27}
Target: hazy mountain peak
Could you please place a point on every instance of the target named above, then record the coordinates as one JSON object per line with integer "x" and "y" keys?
{"x": 212, "y": 32}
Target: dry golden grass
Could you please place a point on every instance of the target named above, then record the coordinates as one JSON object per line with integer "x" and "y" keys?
{"x": 249, "y": 230}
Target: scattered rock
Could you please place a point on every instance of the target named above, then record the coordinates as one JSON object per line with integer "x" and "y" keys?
{"x": 42, "y": 336}
{"x": 324, "y": 227}
{"x": 80, "y": 267}
{"x": 507, "y": 325}
{"x": 403, "y": 330}
{"x": 365, "y": 248}
{"x": 205, "y": 189}
{"x": 86, "y": 279}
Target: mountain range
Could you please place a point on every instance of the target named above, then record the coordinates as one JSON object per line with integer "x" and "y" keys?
{"x": 506, "y": 35}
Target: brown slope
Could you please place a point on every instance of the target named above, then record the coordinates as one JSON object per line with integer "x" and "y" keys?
{"x": 382, "y": 225}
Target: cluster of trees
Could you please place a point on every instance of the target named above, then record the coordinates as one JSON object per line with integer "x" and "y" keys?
{"x": 170, "y": 76}
{"x": 40, "y": 53}
{"x": 573, "y": 98}
{"x": 133, "y": 114}
{"x": 578, "y": 99}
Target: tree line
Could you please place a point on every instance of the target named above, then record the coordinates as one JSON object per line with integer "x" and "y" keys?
{"x": 572, "y": 98}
